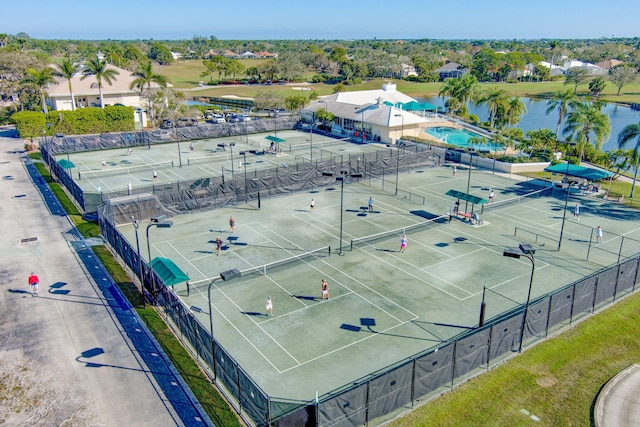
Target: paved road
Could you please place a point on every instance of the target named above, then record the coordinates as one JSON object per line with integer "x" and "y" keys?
{"x": 75, "y": 354}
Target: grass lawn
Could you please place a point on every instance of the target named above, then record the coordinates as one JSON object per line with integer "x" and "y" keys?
{"x": 558, "y": 380}
{"x": 186, "y": 75}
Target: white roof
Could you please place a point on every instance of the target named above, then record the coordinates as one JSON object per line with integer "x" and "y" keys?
{"x": 89, "y": 86}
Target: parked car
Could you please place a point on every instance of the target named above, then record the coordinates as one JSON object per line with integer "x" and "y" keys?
{"x": 166, "y": 124}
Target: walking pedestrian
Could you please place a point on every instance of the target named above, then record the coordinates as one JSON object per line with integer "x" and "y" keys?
{"x": 155, "y": 175}
{"x": 454, "y": 170}
{"x": 191, "y": 147}
{"x": 325, "y": 290}
{"x": 269, "y": 307}
{"x": 370, "y": 203}
{"x": 232, "y": 224}
{"x": 599, "y": 234}
{"x": 34, "y": 281}
{"x": 219, "y": 244}
{"x": 403, "y": 243}
{"x": 492, "y": 195}
{"x": 104, "y": 164}
{"x": 129, "y": 187}
{"x": 576, "y": 212}
{"x": 130, "y": 151}
{"x": 313, "y": 205}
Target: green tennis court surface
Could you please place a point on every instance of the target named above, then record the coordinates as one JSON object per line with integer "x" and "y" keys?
{"x": 385, "y": 305}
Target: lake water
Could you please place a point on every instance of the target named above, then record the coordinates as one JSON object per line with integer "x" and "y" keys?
{"x": 535, "y": 118}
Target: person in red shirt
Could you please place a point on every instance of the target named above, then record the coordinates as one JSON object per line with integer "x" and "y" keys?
{"x": 34, "y": 281}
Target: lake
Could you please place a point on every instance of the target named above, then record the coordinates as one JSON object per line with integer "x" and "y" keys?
{"x": 535, "y": 118}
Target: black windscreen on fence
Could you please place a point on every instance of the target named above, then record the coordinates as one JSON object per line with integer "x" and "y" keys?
{"x": 434, "y": 370}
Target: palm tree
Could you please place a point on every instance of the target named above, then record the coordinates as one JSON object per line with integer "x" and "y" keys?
{"x": 629, "y": 133}
{"x": 584, "y": 120}
{"x": 67, "y": 69}
{"x": 515, "y": 110}
{"x": 40, "y": 79}
{"x": 561, "y": 101}
{"x": 98, "y": 68}
{"x": 468, "y": 88}
{"x": 494, "y": 98}
{"x": 144, "y": 76}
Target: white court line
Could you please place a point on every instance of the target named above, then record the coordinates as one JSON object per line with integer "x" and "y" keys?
{"x": 351, "y": 290}
{"x": 419, "y": 279}
{"x": 239, "y": 331}
{"x": 185, "y": 258}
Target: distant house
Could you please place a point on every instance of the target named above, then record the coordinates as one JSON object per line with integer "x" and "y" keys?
{"x": 608, "y": 64}
{"x": 266, "y": 55}
{"x": 408, "y": 70}
{"x": 87, "y": 94}
{"x": 211, "y": 54}
{"x": 176, "y": 55}
{"x": 451, "y": 69}
{"x": 248, "y": 55}
{"x": 231, "y": 55}
{"x": 592, "y": 69}
{"x": 554, "y": 70}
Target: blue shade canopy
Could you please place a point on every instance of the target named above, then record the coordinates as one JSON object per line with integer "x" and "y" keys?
{"x": 590, "y": 174}
{"x": 66, "y": 164}
{"x": 168, "y": 271}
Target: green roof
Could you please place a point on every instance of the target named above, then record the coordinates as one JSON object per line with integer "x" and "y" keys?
{"x": 466, "y": 197}
{"x": 66, "y": 164}
{"x": 168, "y": 271}
{"x": 580, "y": 171}
{"x": 274, "y": 138}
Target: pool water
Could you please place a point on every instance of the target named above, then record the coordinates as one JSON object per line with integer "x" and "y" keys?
{"x": 461, "y": 137}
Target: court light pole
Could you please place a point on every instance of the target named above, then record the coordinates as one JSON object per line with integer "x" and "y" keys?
{"x": 246, "y": 195}
{"x": 341, "y": 180}
{"x": 466, "y": 203}
{"x": 326, "y": 108}
{"x": 566, "y": 202}
{"x": 136, "y": 225}
{"x": 527, "y": 251}
{"x": 398, "y": 149}
{"x": 159, "y": 221}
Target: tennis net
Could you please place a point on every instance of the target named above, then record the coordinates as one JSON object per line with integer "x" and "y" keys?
{"x": 398, "y": 232}
{"x": 305, "y": 257}
{"x": 208, "y": 159}
{"x": 119, "y": 170}
{"x": 319, "y": 144}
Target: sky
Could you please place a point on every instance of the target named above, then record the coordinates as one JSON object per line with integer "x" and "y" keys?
{"x": 324, "y": 19}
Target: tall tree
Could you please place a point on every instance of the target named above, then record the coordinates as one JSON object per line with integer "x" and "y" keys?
{"x": 100, "y": 70}
{"x": 596, "y": 86}
{"x": 561, "y": 101}
{"x": 40, "y": 79}
{"x": 585, "y": 120}
{"x": 629, "y": 133}
{"x": 621, "y": 76}
{"x": 495, "y": 99}
{"x": 67, "y": 69}
{"x": 576, "y": 76}
{"x": 515, "y": 110}
{"x": 144, "y": 77}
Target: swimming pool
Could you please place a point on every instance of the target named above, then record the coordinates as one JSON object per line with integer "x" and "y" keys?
{"x": 461, "y": 137}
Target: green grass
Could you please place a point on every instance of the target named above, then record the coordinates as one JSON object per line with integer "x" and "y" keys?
{"x": 211, "y": 400}
{"x": 558, "y": 380}
{"x": 186, "y": 74}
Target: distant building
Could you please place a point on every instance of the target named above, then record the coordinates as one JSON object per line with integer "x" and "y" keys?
{"x": 266, "y": 55}
{"x": 608, "y": 64}
{"x": 377, "y": 113}
{"x": 231, "y": 55}
{"x": 87, "y": 94}
{"x": 451, "y": 70}
{"x": 592, "y": 69}
{"x": 248, "y": 55}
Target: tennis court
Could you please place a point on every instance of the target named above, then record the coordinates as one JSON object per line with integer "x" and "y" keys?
{"x": 174, "y": 162}
{"x": 384, "y": 305}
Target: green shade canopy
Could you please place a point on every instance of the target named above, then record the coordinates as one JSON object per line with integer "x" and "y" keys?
{"x": 168, "y": 271}
{"x": 466, "y": 197}
{"x": 274, "y": 138}
{"x": 590, "y": 174}
{"x": 66, "y": 164}
{"x": 417, "y": 106}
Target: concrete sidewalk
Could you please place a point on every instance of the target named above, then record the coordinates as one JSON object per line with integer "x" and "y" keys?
{"x": 618, "y": 404}
{"x": 77, "y": 352}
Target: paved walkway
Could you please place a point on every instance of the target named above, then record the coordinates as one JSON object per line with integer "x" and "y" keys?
{"x": 618, "y": 404}
{"x": 78, "y": 350}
